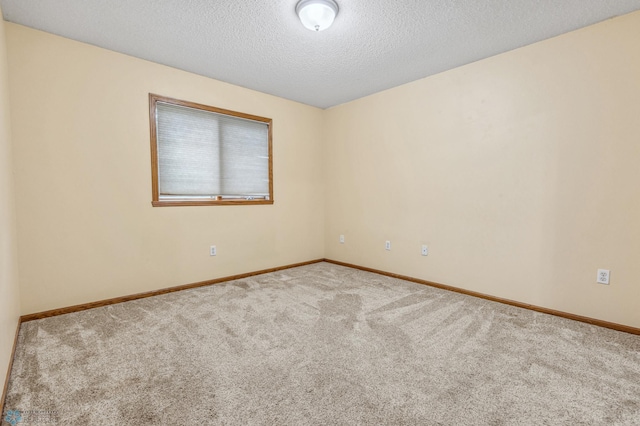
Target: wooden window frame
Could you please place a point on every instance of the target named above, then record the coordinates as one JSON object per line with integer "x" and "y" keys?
{"x": 156, "y": 201}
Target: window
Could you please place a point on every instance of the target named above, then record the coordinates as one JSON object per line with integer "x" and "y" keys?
{"x": 201, "y": 155}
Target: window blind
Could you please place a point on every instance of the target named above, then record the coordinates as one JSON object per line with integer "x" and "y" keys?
{"x": 206, "y": 154}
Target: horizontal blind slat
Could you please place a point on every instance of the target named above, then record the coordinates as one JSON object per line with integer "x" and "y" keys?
{"x": 202, "y": 153}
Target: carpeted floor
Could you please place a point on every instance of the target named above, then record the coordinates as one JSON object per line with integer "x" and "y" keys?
{"x": 322, "y": 345}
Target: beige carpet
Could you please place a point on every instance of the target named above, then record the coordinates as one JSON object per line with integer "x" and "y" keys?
{"x": 322, "y": 345}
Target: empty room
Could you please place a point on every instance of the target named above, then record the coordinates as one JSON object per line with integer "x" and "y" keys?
{"x": 320, "y": 212}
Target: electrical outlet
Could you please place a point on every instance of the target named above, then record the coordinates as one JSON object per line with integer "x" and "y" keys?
{"x": 212, "y": 251}
{"x": 387, "y": 245}
{"x": 603, "y": 276}
{"x": 425, "y": 250}
{"x": 341, "y": 239}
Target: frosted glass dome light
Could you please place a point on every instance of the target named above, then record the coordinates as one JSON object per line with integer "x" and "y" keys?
{"x": 317, "y": 15}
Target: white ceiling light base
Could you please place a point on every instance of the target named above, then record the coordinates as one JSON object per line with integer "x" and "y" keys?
{"x": 317, "y": 15}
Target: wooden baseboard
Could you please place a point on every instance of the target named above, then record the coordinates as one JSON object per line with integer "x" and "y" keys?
{"x": 85, "y": 306}
{"x": 6, "y": 380}
{"x": 592, "y": 321}
{"x": 91, "y": 305}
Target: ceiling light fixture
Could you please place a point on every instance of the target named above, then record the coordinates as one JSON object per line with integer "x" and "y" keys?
{"x": 317, "y": 15}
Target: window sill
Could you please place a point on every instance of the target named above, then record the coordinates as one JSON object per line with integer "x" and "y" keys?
{"x": 183, "y": 203}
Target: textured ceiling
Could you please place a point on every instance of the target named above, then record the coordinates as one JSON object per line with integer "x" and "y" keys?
{"x": 373, "y": 44}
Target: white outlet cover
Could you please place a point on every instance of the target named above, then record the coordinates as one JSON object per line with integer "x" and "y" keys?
{"x": 213, "y": 251}
{"x": 341, "y": 239}
{"x": 603, "y": 276}
{"x": 387, "y": 245}
{"x": 425, "y": 250}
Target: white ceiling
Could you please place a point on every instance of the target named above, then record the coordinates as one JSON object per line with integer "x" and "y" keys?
{"x": 373, "y": 44}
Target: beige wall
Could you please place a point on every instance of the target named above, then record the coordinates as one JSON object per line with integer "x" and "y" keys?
{"x": 86, "y": 227}
{"x": 521, "y": 173}
{"x": 9, "y": 293}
